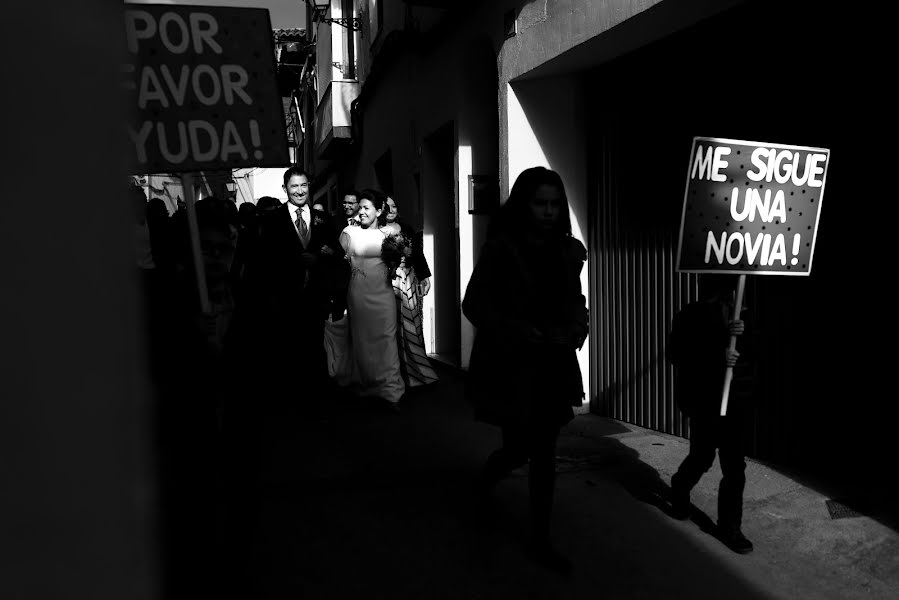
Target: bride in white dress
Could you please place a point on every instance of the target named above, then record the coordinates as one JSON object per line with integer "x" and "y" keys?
{"x": 371, "y": 306}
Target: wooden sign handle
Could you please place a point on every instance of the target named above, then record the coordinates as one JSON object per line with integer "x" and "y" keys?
{"x": 187, "y": 182}
{"x": 729, "y": 372}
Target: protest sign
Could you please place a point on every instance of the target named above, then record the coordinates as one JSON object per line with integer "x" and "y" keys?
{"x": 203, "y": 85}
{"x": 751, "y": 208}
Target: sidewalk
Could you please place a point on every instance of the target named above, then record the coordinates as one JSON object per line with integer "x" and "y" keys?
{"x": 375, "y": 505}
{"x": 800, "y": 550}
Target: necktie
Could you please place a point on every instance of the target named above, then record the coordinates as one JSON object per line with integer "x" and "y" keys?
{"x": 302, "y": 228}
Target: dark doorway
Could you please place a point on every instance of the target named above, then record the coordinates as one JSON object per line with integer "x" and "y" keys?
{"x": 775, "y": 73}
{"x": 441, "y": 226}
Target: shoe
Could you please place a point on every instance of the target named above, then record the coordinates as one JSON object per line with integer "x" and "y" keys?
{"x": 734, "y": 539}
{"x": 545, "y": 555}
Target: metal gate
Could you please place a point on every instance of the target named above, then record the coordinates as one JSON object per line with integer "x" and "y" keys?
{"x": 635, "y": 292}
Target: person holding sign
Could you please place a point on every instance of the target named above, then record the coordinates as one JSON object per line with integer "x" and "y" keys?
{"x": 698, "y": 347}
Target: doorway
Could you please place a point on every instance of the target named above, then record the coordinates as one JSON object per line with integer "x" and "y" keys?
{"x": 442, "y": 317}
{"x": 642, "y": 135}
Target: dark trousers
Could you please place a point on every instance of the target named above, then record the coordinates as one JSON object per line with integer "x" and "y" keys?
{"x": 707, "y": 434}
{"x": 533, "y": 443}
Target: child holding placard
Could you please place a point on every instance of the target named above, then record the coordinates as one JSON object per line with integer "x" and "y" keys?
{"x": 698, "y": 347}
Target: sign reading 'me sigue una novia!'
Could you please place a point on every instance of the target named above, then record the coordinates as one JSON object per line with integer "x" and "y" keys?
{"x": 202, "y": 81}
{"x": 751, "y": 208}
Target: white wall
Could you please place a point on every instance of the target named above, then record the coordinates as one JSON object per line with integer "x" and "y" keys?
{"x": 418, "y": 96}
{"x": 269, "y": 182}
{"x": 464, "y": 168}
{"x": 545, "y": 127}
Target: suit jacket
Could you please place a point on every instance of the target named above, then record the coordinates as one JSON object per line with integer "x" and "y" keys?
{"x": 512, "y": 378}
{"x": 282, "y": 281}
{"x": 279, "y": 323}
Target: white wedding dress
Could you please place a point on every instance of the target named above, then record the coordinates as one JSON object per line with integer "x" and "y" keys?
{"x": 371, "y": 309}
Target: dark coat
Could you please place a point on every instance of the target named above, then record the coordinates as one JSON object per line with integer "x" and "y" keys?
{"x": 418, "y": 260}
{"x": 696, "y": 347}
{"x": 514, "y": 290}
{"x": 282, "y": 313}
{"x": 280, "y": 272}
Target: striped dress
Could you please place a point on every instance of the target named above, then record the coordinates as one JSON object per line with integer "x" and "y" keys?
{"x": 417, "y": 367}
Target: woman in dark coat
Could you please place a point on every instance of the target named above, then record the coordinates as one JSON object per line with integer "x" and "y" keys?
{"x": 525, "y": 300}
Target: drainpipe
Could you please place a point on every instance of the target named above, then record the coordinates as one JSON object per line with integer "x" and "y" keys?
{"x": 305, "y": 80}
{"x": 308, "y": 115}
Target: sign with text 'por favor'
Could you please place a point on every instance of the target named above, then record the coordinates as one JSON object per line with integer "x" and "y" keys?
{"x": 751, "y": 208}
{"x": 203, "y": 83}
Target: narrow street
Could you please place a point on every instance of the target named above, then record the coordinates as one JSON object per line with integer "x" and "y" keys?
{"x": 370, "y": 504}
{"x": 575, "y": 173}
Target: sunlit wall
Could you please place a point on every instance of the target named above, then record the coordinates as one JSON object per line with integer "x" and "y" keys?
{"x": 545, "y": 127}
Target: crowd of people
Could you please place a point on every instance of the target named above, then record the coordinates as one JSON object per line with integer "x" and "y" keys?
{"x": 249, "y": 273}
{"x": 524, "y": 375}
{"x": 303, "y": 305}
{"x": 251, "y": 346}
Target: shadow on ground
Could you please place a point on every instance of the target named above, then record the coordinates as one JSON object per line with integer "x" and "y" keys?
{"x": 364, "y": 503}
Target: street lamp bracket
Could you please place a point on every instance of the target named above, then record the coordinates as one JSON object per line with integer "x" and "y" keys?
{"x": 320, "y": 9}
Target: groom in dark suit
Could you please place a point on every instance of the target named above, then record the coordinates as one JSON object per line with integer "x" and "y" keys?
{"x": 298, "y": 270}
{"x": 275, "y": 353}
{"x": 293, "y": 282}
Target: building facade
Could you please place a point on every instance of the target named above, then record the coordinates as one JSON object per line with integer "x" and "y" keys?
{"x": 450, "y": 100}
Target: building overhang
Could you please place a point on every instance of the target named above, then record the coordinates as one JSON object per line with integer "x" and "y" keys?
{"x": 333, "y": 119}
{"x": 650, "y": 25}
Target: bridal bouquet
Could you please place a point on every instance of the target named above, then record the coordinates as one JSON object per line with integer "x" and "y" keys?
{"x": 395, "y": 249}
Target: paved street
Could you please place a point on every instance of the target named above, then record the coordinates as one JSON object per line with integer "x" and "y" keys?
{"x": 370, "y": 504}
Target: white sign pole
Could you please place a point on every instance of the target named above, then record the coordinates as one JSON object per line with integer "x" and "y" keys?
{"x": 187, "y": 182}
{"x": 729, "y": 372}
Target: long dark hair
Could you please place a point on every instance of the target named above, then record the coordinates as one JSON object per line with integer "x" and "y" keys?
{"x": 515, "y": 218}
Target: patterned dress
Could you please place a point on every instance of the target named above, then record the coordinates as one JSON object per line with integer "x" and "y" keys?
{"x": 418, "y": 368}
